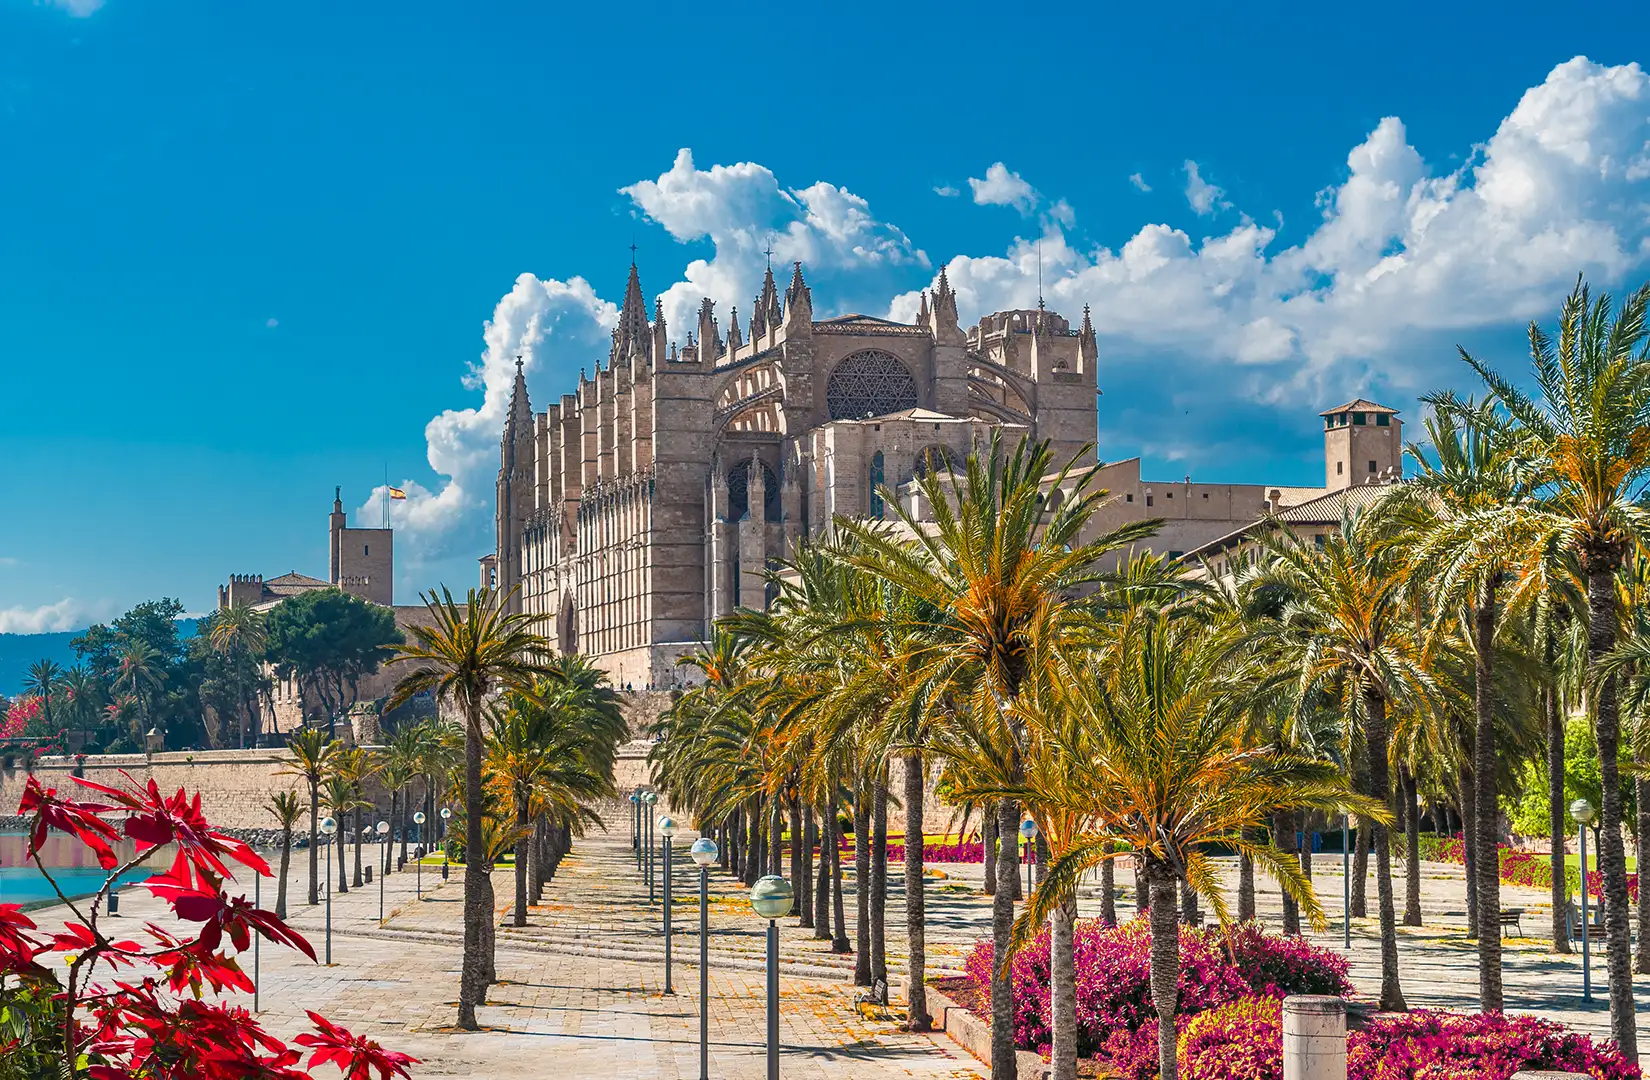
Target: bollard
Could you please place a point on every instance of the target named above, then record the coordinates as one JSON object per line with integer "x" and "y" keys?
{"x": 1314, "y": 1038}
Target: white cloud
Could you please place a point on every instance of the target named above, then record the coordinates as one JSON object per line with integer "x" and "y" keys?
{"x": 66, "y": 614}
{"x": 272, "y": 323}
{"x": 946, "y": 191}
{"x": 1205, "y": 197}
{"x": 1139, "y": 182}
{"x": 1004, "y": 188}
{"x": 77, "y": 8}
{"x": 1401, "y": 251}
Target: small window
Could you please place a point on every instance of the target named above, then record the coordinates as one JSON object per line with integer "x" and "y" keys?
{"x": 1341, "y": 419}
{"x": 1129, "y": 497}
{"x": 1329, "y": 421}
{"x": 1340, "y": 467}
{"x": 1148, "y": 500}
{"x": 1318, "y": 540}
{"x": 1168, "y": 494}
{"x": 364, "y": 550}
{"x": 1372, "y": 468}
{"x": 1359, "y": 418}
{"x": 1383, "y": 420}
{"x": 1205, "y": 495}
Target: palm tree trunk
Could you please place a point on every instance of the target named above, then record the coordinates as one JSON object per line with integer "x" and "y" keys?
{"x": 805, "y": 883}
{"x": 540, "y": 854}
{"x": 988, "y": 840}
{"x": 356, "y": 876}
{"x": 1062, "y": 983}
{"x": 1641, "y": 791}
{"x": 879, "y": 879}
{"x": 314, "y": 850}
{"x": 839, "y": 923}
{"x": 286, "y": 862}
{"x": 1246, "y": 882}
{"x": 406, "y": 805}
{"x": 1555, "y": 810}
{"x": 1190, "y": 913}
{"x": 1360, "y": 853}
{"x": 518, "y": 917}
{"x": 338, "y": 842}
{"x": 1412, "y": 848}
{"x": 1600, "y": 566}
{"x": 776, "y": 836}
{"x": 1108, "y": 890}
{"x": 756, "y": 852}
{"x": 799, "y": 876}
{"x": 862, "y": 889}
{"x": 1142, "y": 894}
{"x": 1469, "y": 833}
{"x": 916, "y": 990}
{"x": 1488, "y": 881}
{"x": 1375, "y": 738}
{"x": 478, "y": 883}
{"x": 1165, "y": 964}
{"x": 822, "y": 881}
{"x": 1003, "y": 1063}
{"x": 1283, "y": 836}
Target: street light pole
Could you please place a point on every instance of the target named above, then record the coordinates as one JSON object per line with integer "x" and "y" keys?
{"x": 329, "y": 826}
{"x": 418, "y": 846}
{"x": 383, "y": 831}
{"x": 1346, "y": 881}
{"x": 446, "y": 844}
{"x": 667, "y": 829}
{"x": 649, "y": 800}
{"x": 772, "y": 897}
{"x": 704, "y": 853}
{"x": 1582, "y": 811}
{"x": 1028, "y": 830}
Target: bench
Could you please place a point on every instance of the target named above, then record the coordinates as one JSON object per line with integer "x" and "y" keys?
{"x": 1577, "y": 931}
{"x": 1512, "y": 917}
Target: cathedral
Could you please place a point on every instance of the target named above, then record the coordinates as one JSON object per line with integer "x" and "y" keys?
{"x": 649, "y": 501}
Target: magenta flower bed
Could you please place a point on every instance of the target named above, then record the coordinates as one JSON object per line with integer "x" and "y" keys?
{"x": 964, "y": 851}
{"x": 1116, "y": 1020}
{"x": 1530, "y": 869}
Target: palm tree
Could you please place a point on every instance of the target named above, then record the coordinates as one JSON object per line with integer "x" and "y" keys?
{"x": 1462, "y": 551}
{"x": 238, "y": 634}
{"x": 81, "y": 691}
{"x": 468, "y": 654}
{"x": 312, "y": 752}
{"x": 990, "y": 586}
{"x": 286, "y": 808}
{"x": 43, "y": 679}
{"x": 1348, "y": 628}
{"x": 1158, "y": 755}
{"x": 138, "y": 673}
{"x": 1585, "y": 434}
{"x": 352, "y": 767}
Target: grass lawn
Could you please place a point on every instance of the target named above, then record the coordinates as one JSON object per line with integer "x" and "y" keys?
{"x": 1574, "y": 859}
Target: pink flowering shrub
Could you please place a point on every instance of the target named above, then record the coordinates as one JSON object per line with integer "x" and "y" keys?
{"x": 1241, "y": 1040}
{"x": 1530, "y": 869}
{"x": 1431, "y": 1045}
{"x": 1113, "y": 969}
{"x": 18, "y": 716}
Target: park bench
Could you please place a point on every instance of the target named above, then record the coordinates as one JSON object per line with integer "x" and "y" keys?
{"x": 1591, "y": 930}
{"x": 1512, "y": 916}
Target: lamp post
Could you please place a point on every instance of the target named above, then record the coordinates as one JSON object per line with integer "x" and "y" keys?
{"x": 1346, "y": 881}
{"x": 1028, "y": 833}
{"x": 329, "y": 826}
{"x": 771, "y": 898}
{"x": 636, "y": 826}
{"x": 1582, "y": 811}
{"x": 383, "y": 830}
{"x": 649, "y": 801}
{"x": 704, "y": 853}
{"x": 446, "y": 845}
{"x": 418, "y": 819}
{"x": 667, "y": 829}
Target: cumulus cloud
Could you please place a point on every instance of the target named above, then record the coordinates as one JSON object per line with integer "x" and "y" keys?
{"x": 1139, "y": 182}
{"x": 67, "y": 614}
{"x": 1004, "y": 188}
{"x": 946, "y": 191}
{"x": 77, "y": 8}
{"x": 1203, "y": 196}
{"x": 1402, "y": 250}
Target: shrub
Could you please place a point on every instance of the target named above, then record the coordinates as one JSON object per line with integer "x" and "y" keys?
{"x": 1113, "y": 969}
{"x": 1432, "y": 1045}
{"x": 1241, "y": 1040}
{"x": 1529, "y": 869}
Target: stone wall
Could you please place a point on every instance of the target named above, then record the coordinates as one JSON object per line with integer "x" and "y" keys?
{"x": 234, "y": 785}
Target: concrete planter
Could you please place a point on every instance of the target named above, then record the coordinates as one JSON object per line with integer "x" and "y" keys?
{"x": 973, "y": 1033}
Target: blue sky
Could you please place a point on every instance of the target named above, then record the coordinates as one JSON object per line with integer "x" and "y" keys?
{"x": 248, "y": 252}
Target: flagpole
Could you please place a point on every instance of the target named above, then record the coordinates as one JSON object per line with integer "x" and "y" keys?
{"x": 386, "y": 495}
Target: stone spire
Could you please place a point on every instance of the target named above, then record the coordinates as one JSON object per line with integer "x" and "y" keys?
{"x": 922, "y": 310}
{"x": 1088, "y": 352}
{"x": 661, "y": 340}
{"x": 767, "y": 314}
{"x": 520, "y": 418}
{"x": 632, "y": 331}
{"x": 799, "y": 305}
{"x": 734, "y": 340}
{"x": 942, "y": 317}
{"x": 710, "y": 342}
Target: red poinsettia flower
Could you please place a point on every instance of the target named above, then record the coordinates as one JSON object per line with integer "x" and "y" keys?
{"x": 197, "y": 895}
{"x": 18, "y": 947}
{"x": 356, "y": 1056}
{"x": 155, "y": 819}
{"x": 78, "y": 819}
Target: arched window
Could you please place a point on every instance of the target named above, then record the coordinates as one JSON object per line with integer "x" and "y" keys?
{"x": 739, "y": 492}
{"x": 870, "y": 383}
{"x": 876, "y": 484}
{"x": 938, "y": 458}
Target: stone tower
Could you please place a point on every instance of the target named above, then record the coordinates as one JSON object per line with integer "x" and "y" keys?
{"x": 1363, "y": 443}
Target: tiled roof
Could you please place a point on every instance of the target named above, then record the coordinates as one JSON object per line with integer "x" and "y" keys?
{"x": 1360, "y": 405}
{"x": 1324, "y": 510}
{"x": 853, "y": 318}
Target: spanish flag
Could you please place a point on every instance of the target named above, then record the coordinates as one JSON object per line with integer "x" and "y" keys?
{"x": 397, "y": 493}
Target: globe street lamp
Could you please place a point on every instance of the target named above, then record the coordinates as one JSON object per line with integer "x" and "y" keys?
{"x": 1582, "y": 811}
{"x": 383, "y": 830}
{"x": 667, "y": 829}
{"x": 329, "y": 826}
{"x": 704, "y": 854}
{"x": 418, "y": 819}
{"x": 771, "y": 898}
{"x": 446, "y": 844}
{"x": 649, "y": 800}
{"x": 1028, "y": 833}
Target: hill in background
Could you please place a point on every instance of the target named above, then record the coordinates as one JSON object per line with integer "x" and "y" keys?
{"x": 18, "y": 651}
